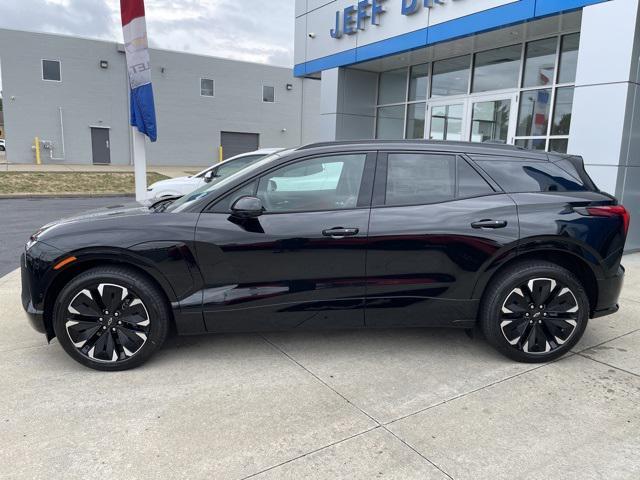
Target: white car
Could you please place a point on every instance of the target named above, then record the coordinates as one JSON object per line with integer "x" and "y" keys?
{"x": 184, "y": 185}
{"x": 2, "y": 146}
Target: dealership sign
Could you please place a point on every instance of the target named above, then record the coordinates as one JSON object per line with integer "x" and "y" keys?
{"x": 355, "y": 17}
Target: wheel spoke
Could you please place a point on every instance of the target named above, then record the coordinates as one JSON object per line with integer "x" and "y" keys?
{"x": 84, "y": 304}
{"x": 112, "y": 295}
{"x": 541, "y": 289}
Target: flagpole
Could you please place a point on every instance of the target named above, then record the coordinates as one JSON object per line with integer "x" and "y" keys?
{"x": 139, "y": 164}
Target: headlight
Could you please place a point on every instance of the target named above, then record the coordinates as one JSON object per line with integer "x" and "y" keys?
{"x": 33, "y": 239}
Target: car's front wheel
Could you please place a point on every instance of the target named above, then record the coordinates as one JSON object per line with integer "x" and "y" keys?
{"x": 111, "y": 318}
{"x": 534, "y": 312}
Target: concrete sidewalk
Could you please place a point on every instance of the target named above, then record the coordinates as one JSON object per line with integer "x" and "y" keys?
{"x": 169, "y": 171}
{"x": 403, "y": 404}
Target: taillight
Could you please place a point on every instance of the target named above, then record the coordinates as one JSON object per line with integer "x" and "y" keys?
{"x": 611, "y": 211}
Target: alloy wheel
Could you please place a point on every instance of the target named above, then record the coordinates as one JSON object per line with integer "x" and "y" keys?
{"x": 539, "y": 316}
{"x": 107, "y": 322}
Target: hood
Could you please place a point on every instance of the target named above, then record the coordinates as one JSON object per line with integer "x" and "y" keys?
{"x": 175, "y": 181}
{"x": 121, "y": 210}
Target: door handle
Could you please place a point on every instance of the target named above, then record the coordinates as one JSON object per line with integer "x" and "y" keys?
{"x": 489, "y": 224}
{"x": 340, "y": 232}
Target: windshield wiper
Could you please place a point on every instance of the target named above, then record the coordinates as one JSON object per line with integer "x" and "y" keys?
{"x": 162, "y": 204}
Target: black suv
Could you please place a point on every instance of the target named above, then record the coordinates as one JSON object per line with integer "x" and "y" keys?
{"x": 340, "y": 235}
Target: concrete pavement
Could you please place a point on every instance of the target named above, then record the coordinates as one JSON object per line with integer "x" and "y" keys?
{"x": 403, "y": 404}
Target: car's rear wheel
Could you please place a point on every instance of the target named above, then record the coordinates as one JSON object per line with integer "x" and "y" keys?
{"x": 534, "y": 312}
{"x": 111, "y": 318}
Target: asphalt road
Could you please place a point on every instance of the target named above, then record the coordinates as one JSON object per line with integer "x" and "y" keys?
{"x": 19, "y": 218}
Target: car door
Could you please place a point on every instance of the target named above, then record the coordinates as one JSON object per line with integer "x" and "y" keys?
{"x": 435, "y": 223}
{"x": 302, "y": 262}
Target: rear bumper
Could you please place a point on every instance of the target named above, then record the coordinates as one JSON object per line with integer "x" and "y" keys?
{"x": 35, "y": 316}
{"x": 609, "y": 290}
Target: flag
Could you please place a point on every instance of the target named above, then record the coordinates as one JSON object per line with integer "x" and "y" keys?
{"x": 134, "y": 28}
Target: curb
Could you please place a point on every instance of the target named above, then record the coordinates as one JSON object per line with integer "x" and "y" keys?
{"x": 64, "y": 195}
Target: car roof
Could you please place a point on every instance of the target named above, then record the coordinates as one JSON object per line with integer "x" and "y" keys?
{"x": 470, "y": 148}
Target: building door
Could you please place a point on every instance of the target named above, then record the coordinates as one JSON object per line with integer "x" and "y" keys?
{"x": 446, "y": 120}
{"x": 235, "y": 143}
{"x": 492, "y": 119}
{"x": 480, "y": 118}
{"x": 100, "y": 146}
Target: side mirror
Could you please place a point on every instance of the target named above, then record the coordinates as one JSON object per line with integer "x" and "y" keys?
{"x": 210, "y": 175}
{"x": 247, "y": 207}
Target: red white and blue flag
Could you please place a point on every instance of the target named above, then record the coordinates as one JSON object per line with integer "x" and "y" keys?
{"x": 134, "y": 27}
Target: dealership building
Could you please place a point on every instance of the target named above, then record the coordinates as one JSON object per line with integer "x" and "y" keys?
{"x": 555, "y": 75}
{"x": 72, "y": 94}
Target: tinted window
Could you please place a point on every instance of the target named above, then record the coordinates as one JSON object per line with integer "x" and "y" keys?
{"x": 414, "y": 179}
{"x": 51, "y": 70}
{"x": 514, "y": 176}
{"x": 326, "y": 183}
{"x": 224, "y": 205}
{"x": 234, "y": 166}
{"x": 470, "y": 183}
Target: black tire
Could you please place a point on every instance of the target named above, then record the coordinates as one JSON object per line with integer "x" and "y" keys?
{"x": 111, "y": 333}
{"x": 514, "y": 321}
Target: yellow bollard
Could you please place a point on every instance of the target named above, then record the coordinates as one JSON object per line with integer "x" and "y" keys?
{"x": 220, "y": 153}
{"x": 37, "y": 142}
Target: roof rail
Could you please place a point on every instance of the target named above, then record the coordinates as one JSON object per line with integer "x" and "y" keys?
{"x": 405, "y": 142}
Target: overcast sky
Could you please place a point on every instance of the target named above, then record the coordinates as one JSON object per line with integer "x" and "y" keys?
{"x": 258, "y": 31}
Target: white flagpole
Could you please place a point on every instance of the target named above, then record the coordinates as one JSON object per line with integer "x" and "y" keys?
{"x": 140, "y": 164}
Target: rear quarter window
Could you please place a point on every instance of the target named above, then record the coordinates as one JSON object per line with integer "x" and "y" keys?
{"x": 517, "y": 176}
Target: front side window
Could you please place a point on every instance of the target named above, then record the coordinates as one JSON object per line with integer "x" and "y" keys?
{"x": 51, "y": 70}
{"x": 416, "y": 178}
{"x": 268, "y": 94}
{"x": 207, "y": 88}
{"x": 317, "y": 184}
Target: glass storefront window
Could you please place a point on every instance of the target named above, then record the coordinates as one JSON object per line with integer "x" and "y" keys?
{"x": 446, "y": 122}
{"x": 533, "y": 118}
{"x": 451, "y": 77}
{"x": 390, "y": 124}
{"x": 532, "y": 143}
{"x": 560, "y": 145}
{"x": 562, "y": 111}
{"x": 569, "y": 58}
{"x": 419, "y": 82}
{"x": 392, "y": 87}
{"x": 497, "y": 69}
{"x": 540, "y": 63}
{"x": 415, "y": 120}
{"x": 490, "y": 121}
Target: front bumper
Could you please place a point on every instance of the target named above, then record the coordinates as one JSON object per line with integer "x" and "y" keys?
{"x": 609, "y": 290}
{"x": 35, "y": 316}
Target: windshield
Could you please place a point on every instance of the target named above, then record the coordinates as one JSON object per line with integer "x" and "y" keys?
{"x": 230, "y": 166}
{"x": 210, "y": 189}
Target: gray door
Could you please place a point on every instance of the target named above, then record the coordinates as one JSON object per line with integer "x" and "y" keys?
{"x": 100, "y": 145}
{"x": 235, "y": 143}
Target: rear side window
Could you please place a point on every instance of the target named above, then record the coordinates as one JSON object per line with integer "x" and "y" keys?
{"x": 521, "y": 176}
{"x": 470, "y": 183}
{"x": 415, "y": 179}
{"x": 422, "y": 178}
